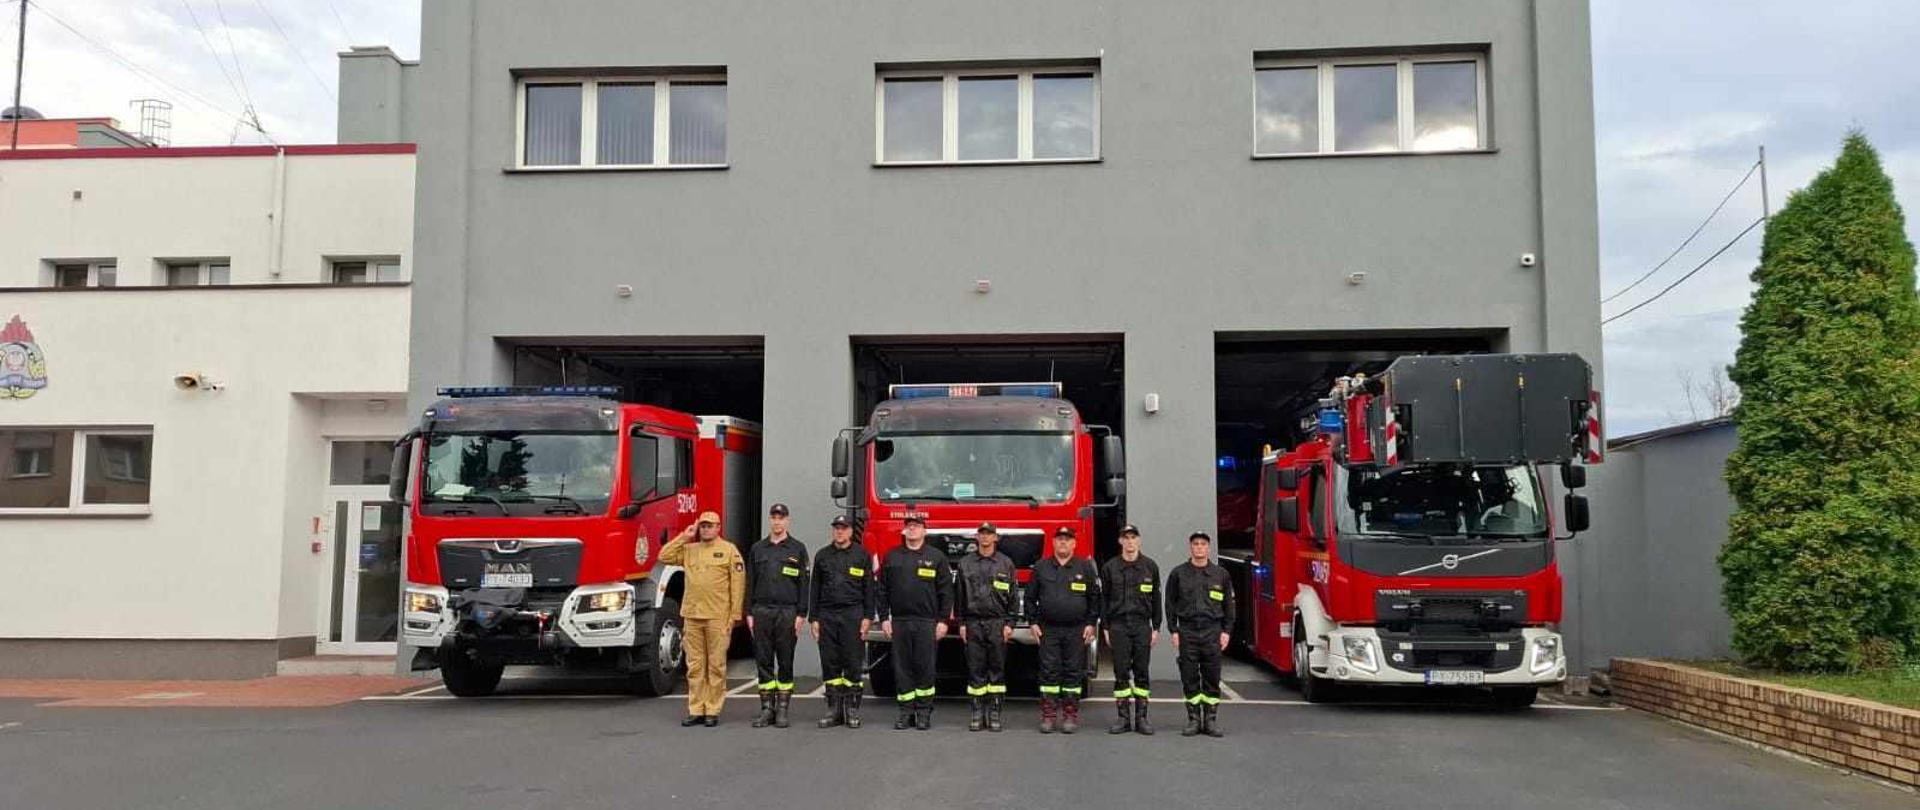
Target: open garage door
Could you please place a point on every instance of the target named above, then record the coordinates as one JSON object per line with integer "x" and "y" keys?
{"x": 713, "y": 376}
{"x": 1267, "y": 383}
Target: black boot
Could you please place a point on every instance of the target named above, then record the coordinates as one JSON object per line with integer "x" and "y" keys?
{"x": 1140, "y": 722}
{"x": 1125, "y": 723}
{"x": 1046, "y": 715}
{"x": 1069, "y": 715}
{"x": 1193, "y": 720}
{"x": 851, "y": 704}
{"x": 905, "y": 720}
{"x": 978, "y": 720}
{"x": 836, "y": 708}
{"x": 1210, "y": 722}
{"x": 923, "y": 714}
{"x": 782, "y": 701}
{"x": 993, "y": 714}
{"x": 766, "y": 710}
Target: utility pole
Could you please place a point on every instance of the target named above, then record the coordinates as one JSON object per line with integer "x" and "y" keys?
{"x": 19, "y": 70}
{"x": 1766, "y": 201}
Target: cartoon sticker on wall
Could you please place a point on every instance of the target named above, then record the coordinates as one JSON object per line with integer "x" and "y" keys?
{"x": 23, "y": 367}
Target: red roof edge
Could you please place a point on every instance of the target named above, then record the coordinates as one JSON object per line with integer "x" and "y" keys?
{"x": 210, "y": 151}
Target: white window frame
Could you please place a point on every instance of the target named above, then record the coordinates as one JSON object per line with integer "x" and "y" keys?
{"x": 93, "y": 271}
{"x": 203, "y": 271}
{"x": 1404, "y": 111}
{"x": 590, "y": 120}
{"x": 373, "y": 269}
{"x": 950, "y": 113}
{"x": 77, "y": 479}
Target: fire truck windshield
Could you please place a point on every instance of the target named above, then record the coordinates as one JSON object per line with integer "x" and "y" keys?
{"x": 521, "y": 473}
{"x": 1432, "y": 502}
{"x": 962, "y": 467}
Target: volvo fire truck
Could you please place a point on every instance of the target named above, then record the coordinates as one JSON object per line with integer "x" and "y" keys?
{"x": 535, "y": 515}
{"x": 1410, "y": 541}
{"x": 1016, "y": 455}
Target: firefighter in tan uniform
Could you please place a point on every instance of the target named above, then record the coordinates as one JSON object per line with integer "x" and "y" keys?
{"x": 716, "y": 592}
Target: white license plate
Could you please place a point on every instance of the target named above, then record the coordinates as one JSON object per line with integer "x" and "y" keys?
{"x": 1455, "y": 677}
{"x": 506, "y": 581}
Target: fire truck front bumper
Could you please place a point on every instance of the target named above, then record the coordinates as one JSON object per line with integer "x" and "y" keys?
{"x": 1532, "y": 656}
{"x": 588, "y": 617}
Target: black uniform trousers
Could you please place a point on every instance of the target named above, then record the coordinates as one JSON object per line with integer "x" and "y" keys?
{"x": 843, "y": 653}
{"x": 1063, "y": 660}
{"x": 773, "y": 639}
{"x": 1200, "y": 663}
{"x": 986, "y": 657}
{"x": 1131, "y": 640}
{"x": 913, "y": 650}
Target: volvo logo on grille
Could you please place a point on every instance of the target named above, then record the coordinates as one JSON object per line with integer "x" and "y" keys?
{"x": 1450, "y": 562}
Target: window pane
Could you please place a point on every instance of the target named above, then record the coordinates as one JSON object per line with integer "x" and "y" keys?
{"x": 912, "y": 119}
{"x": 361, "y": 463}
{"x": 183, "y": 275}
{"x": 117, "y": 469}
{"x": 990, "y": 118}
{"x": 349, "y": 272}
{"x": 218, "y": 274}
{"x": 1287, "y": 110}
{"x": 1063, "y": 116}
{"x": 553, "y": 125}
{"x": 625, "y": 124}
{"x": 1446, "y": 106}
{"x": 70, "y": 275}
{"x": 1365, "y": 104}
{"x": 106, "y": 275}
{"x": 35, "y": 468}
{"x": 386, "y": 272}
{"x": 697, "y": 123}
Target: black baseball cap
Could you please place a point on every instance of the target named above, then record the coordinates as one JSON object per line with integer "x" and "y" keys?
{"x": 1130, "y": 529}
{"x": 840, "y": 520}
{"x": 1199, "y": 536}
{"x": 1063, "y": 531}
{"x": 911, "y": 519}
{"x": 779, "y": 509}
{"x": 987, "y": 528}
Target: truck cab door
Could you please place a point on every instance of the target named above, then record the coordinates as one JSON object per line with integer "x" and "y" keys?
{"x": 659, "y": 487}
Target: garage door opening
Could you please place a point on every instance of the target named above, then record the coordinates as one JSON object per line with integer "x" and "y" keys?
{"x": 1089, "y": 368}
{"x": 1266, "y": 385}
{"x": 723, "y": 376}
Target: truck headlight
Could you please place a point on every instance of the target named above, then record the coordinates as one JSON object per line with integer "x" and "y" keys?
{"x": 609, "y": 602}
{"x": 1544, "y": 655}
{"x": 1359, "y": 652}
{"x": 423, "y": 602}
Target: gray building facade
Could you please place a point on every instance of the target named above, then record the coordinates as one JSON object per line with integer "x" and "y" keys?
{"x": 812, "y": 245}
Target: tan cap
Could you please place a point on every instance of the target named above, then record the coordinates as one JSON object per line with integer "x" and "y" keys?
{"x": 709, "y": 517}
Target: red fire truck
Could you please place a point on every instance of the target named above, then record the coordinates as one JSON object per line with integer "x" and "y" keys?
{"x": 1411, "y": 540}
{"x": 1017, "y": 455}
{"x": 535, "y": 515}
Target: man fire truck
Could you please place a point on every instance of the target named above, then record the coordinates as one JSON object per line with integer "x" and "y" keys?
{"x": 1016, "y": 455}
{"x": 535, "y": 515}
{"x": 1411, "y": 541}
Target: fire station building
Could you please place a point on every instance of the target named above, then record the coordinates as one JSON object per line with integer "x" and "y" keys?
{"x": 1193, "y": 218}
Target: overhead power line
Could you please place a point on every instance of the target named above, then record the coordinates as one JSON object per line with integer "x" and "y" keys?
{"x": 214, "y": 52}
{"x": 1690, "y": 237}
{"x": 342, "y": 21}
{"x": 134, "y": 67}
{"x": 295, "y": 48}
{"x": 1690, "y": 273}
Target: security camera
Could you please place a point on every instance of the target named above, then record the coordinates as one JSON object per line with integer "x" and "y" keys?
{"x": 194, "y": 381}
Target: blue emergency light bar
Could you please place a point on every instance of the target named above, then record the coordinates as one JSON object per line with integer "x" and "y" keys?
{"x": 945, "y": 391}
{"x": 1332, "y": 421}
{"x": 480, "y": 391}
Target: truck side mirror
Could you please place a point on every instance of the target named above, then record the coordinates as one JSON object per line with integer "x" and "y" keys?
{"x": 399, "y": 468}
{"x": 1573, "y": 476}
{"x": 838, "y": 489}
{"x": 1286, "y": 514}
{"x": 1113, "y": 455}
{"x": 1579, "y": 516}
{"x": 842, "y": 454}
{"x": 1286, "y": 479}
{"x": 629, "y": 511}
{"x": 1116, "y": 488}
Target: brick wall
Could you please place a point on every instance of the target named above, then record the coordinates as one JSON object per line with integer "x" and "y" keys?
{"x": 1859, "y": 735}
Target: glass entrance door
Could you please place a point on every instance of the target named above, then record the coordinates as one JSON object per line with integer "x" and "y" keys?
{"x": 363, "y": 535}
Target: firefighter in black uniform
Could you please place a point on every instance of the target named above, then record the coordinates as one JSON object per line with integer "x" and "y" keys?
{"x": 1065, "y": 595}
{"x": 913, "y": 597}
{"x": 776, "y": 610}
{"x": 839, "y": 611}
{"x": 1132, "y": 621}
{"x": 987, "y": 580}
{"x": 1200, "y": 615}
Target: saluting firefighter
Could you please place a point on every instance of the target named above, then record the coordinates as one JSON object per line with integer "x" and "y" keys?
{"x": 1065, "y": 595}
{"x": 986, "y": 624}
{"x": 1200, "y": 614}
{"x": 777, "y": 609}
{"x": 716, "y": 590}
{"x": 914, "y": 598}
{"x": 841, "y": 602}
{"x": 1132, "y": 621}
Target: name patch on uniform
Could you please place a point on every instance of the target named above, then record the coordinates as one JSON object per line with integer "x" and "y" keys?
{"x": 1146, "y": 587}
{"x": 999, "y": 585}
{"x": 790, "y": 571}
{"x": 1217, "y": 596}
{"x": 927, "y": 573}
{"x": 856, "y": 572}
{"x": 1076, "y": 586}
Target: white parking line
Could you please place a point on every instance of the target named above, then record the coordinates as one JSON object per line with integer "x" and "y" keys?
{"x": 5, "y": 726}
{"x": 741, "y": 690}
{"x": 434, "y": 688}
{"x": 1228, "y": 693}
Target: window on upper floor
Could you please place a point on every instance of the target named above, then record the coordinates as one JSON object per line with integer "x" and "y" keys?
{"x": 622, "y": 122}
{"x": 84, "y": 274}
{"x": 364, "y": 271}
{"x": 197, "y": 273}
{"x": 993, "y": 114}
{"x": 1370, "y": 104}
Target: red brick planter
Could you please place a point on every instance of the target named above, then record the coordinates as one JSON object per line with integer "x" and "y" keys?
{"x": 1859, "y": 735}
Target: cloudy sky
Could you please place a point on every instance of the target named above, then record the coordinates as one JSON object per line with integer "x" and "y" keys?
{"x": 1685, "y": 93}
